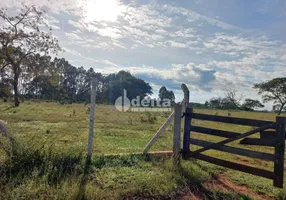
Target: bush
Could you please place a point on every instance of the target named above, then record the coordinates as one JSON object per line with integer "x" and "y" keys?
{"x": 5, "y": 100}
{"x": 150, "y": 118}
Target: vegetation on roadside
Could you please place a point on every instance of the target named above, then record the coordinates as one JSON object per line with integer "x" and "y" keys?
{"x": 46, "y": 175}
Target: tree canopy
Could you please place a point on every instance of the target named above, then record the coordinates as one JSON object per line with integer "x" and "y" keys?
{"x": 166, "y": 94}
{"x": 251, "y": 104}
{"x": 273, "y": 90}
{"x": 116, "y": 83}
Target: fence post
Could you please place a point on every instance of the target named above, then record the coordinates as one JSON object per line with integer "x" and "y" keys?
{"x": 279, "y": 152}
{"x": 177, "y": 135}
{"x": 91, "y": 119}
{"x": 187, "y": 132}
{"x": 186, "y": 95}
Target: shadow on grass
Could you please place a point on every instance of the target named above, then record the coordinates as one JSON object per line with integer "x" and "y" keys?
{"x": 84, "y": 179}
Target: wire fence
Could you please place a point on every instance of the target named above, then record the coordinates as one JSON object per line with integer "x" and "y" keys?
{"x": 58, "y": 127}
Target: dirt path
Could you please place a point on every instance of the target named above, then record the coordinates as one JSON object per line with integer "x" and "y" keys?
{"x": 222, "y": 183}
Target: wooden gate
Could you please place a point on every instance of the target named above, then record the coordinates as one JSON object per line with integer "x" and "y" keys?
{"x": 277, "y": 140}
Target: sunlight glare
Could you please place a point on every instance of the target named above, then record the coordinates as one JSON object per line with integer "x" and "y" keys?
{"x": 103, "y": 10}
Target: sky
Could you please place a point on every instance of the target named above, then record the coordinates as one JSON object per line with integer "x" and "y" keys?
{"x": 208, "y": 45}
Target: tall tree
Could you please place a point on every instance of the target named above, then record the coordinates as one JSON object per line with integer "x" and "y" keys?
{"x": 116, "y": 83}
{"x": 273, "y": 90}
{"x": 21, "y": 39}
{"x": 232, "y": 98}
{"x": 166, "y": 94}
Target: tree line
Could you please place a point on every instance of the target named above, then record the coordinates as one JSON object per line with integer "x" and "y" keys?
{"x": 60, "y": 81}
{"x": 232, "y": 103}
{"x": 272, "y": 91}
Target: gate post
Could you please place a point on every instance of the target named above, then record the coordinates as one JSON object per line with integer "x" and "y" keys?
{"x": 187, "y": 132}
{"x": 279, "y": 152}
{"x": 177, "y": 135}
{"x": 186, "y": 96}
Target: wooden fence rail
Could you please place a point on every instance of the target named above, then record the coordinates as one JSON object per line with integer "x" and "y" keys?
{"x": 274, "y": 138}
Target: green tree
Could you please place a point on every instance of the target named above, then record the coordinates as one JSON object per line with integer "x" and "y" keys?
{"x": 42, "y": 87}
{"x": 21, "y": 39}
{"x": 251, "y": 104}
{"x": 114, "y": 84}
{"x": 273, "y": 90}
{"x": 207, "y": 104}
{"x": 166, "y": 94}
{"x": 215, "y": 102}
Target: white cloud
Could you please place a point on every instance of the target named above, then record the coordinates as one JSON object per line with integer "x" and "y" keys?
{"x": 73, "y": 36}
{"x": 147, "y": 17}
{"x": 194, "y": 17}
{"x": 177, "y": 44}
{"x": 76, "y": 24}
{"x": 110, "y": 32}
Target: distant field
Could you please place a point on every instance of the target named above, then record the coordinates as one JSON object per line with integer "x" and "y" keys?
{"x": 63, "y": 130}
{"x": 66, "y": 127}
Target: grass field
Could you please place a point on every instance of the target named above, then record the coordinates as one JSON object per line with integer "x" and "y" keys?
{"x": 53, "y": 141}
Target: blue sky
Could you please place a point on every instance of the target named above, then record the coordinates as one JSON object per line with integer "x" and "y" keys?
{"x": 209, "y": 45}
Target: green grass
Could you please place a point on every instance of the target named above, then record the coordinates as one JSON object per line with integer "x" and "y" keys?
{"x": 53, "y": 137}
{"x": 115, "y": 132}
{"x": 45, "y": 175}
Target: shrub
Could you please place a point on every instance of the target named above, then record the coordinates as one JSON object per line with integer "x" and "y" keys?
{"x": 150, "y": 118}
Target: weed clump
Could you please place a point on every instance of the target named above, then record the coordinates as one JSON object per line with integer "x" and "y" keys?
{"x": 148, "y": 118}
